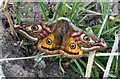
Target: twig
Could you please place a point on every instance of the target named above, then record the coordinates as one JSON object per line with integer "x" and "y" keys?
{"x": 114, "y": 48}
{"x": 103, "y": 69}
{"x": 111, "y": 16}
{"x": 5, "y": 4}
{"x": 97, "y": 13}
{"x": 89, "y": 64}
{"x": 36, "y": 56}
{"x": 13, "y": 32}
{"x": 2, "y": 75}
{"x": 85, "y": 55}
{"x": 92, "y": 12}
{"x": 107, "y": 54}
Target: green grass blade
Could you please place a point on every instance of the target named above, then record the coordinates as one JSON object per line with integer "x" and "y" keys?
{"x": 87, "y": 8}
{"x": 27, "y": 10}
{"x": 118, "y": 72}
{"x": 79, "y": 8}
{"x": 63, "y": 71}
{"x": 113, "y": 21}
{"x": 81, "y": 19}
{"x": 47, "y": 8}
{"x": 72, "y": 10}
{"x": 38, "y": 60}
{"x": 75, "y": 69}
{"x": 80, "y": 12}
{"x": 79, "y": 67}
{"x": 64, "y": 9}
{"x": 85, "y": 5}
{"x": 82, "y": 62}
{"x": 112, "y": 69}
{"x": 111, "y": 30}
{"x": 108, "y": 10}
{"x": 18, "y": 12}
{"x": 100, "y": 63}
{"x": 57, "y": 7}
{"x": 102, "y": 4}
{"x": 43, "y": 11}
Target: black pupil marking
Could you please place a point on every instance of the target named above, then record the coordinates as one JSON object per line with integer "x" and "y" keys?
{"x": 86, "y": 38}
{"x": 49, "y": 41}
{"x": 35, "y": 27}
{"x": 72, "y": 46}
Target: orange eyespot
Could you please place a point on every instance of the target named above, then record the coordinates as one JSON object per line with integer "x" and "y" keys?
{"x": 48, "y": 41}
{"x": 72, "y": 46}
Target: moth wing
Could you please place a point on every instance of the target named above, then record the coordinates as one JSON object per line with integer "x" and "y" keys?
{"x": 35, "y": 29}
{"x": 50, "y": 43}
{"x": 88, "y": 42}
{"x": 69, "y": 47}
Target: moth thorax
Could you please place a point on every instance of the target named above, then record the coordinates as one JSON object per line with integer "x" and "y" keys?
{"x": 62, "y": 30}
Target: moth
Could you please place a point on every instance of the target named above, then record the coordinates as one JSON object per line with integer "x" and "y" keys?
{"x": 62, "y": 36}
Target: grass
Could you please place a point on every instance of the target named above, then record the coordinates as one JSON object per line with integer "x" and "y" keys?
{"x": 106, "y": 30}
